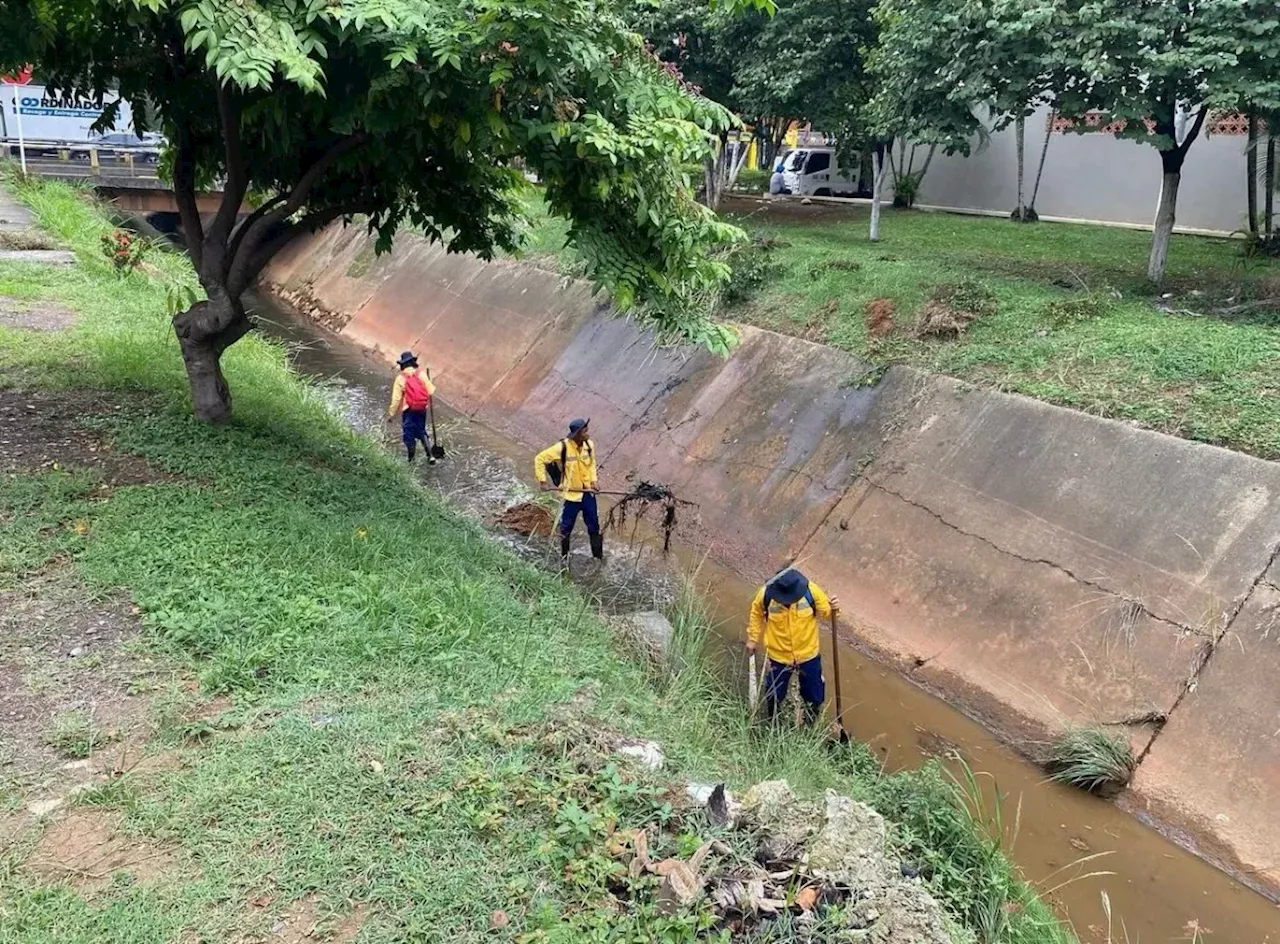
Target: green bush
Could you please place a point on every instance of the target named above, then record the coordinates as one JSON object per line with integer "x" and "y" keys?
{"x": 753, "y": 180}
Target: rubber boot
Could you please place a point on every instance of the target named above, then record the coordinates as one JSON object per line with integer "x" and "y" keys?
{"x": 597, "y": 546}
{"x": 564, "y": 547}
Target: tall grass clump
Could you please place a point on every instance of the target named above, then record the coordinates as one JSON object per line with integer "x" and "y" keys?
{"x": 1091, "y": 759}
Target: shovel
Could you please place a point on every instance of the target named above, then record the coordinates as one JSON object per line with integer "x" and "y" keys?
{"x": 841, "y": 733}
{"x": 437, "y": 450}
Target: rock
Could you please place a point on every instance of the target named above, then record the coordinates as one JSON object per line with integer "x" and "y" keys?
{"x": 44, "y": 807}
{"x": 849, "y": 847}
{"x": 653, "y": 631}
{"x": 648, "y": 753}
{"x": 76, "y": 653}
{"x": 772, "y": 804}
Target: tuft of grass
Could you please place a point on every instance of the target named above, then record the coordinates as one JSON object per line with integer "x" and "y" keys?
{"x": 1091, "y": 759}
{"x": 73, "y": 735}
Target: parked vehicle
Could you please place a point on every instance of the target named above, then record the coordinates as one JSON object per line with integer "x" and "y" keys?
{"x": 814, "y": 172}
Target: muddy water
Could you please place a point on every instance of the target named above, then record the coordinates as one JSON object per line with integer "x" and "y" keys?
{"x": 1161, "y": 892}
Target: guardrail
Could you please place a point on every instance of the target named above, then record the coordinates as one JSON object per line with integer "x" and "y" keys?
{"x": 85, "y": 158}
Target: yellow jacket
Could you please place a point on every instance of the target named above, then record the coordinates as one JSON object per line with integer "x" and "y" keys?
{"x": 790, "y": 632}
{"x": 580, "y": 467}
{"x": 397, "y": 388}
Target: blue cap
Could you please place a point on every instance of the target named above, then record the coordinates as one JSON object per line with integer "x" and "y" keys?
{"x": 576, "y": 425}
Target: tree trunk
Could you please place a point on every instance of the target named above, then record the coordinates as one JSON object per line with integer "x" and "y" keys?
{"x": 1269, "y": 179}
{"x": 1020, "y": 139}
{"x": 877, "y": 187}
{"x": 1044, "y": 151}
{"x": 1166, "y": 213}
{"x": 205, "y": 331}
{"x": 1251, "y": 174}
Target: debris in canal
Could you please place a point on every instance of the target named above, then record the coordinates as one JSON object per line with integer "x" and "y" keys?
{"x": 527, "y": 518}
{"x": 646, "y": 495}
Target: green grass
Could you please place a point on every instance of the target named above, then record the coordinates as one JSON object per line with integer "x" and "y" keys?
{"x": 1091, "y": 759}
{"x": 1075, "y": 323}
{"x": 73, "y": 734}
{"x": 396, "y": 676}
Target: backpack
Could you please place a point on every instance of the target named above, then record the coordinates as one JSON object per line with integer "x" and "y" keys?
{"x": 555, "y": 470}
{"x": 808, "y": 595}
{"x": 415, "y": 393}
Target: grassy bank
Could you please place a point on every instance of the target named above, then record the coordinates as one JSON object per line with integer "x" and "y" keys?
{"x": 409, "y": 736}
{"x": 1073, "y": 323}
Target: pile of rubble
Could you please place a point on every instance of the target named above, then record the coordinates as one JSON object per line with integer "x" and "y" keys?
{"x": 818, "y": 870}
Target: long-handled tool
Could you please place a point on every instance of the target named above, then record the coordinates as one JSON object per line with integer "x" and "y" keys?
{"x": 835, "y": 670}
{"x": 437, "y": 450}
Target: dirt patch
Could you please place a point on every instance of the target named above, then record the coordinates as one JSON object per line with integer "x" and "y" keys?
{"x": 302, "y": 923}
{"x": 34, "y": 316}
{"x": 39, "y": 430}
{"x": 25, "y": 240}
{"x": 952, "y": 308}
{"x": 878, "y": 316}
{"x": 87, "y": 850}
{"x": 527, "y": 518}
{"x": 62, "y": 657}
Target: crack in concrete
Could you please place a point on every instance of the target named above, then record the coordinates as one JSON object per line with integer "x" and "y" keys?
{"x": 1085, "y": 581}
{"x": 1207, "y": 651}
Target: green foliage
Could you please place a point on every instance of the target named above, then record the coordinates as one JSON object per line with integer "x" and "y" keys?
{"x": 1079, "y": 308}
{"x": 124, "y": 250}
{"x": 1092, "y": 759}
{"x": 752, "y": 264}
{"x": 754, "y": 180}
{"x": 417, "y": 113}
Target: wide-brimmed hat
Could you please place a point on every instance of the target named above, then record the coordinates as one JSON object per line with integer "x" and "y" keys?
{"x": 407, "y": 359}
{"x": 788, "y": 587}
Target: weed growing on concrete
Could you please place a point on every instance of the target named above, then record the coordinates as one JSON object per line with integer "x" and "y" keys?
{"x": 1091, "y": 759}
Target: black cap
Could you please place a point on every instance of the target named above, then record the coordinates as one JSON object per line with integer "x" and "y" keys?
{"x": 576, "y": 425}
{"x": 407, "y": 360}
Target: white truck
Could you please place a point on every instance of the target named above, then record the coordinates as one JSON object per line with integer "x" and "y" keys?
{"x": 815, "y": 172}
{"x": 49, "y": 116}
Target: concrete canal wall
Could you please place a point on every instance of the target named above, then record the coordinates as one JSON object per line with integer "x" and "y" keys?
{"x": 1034, "y": 566}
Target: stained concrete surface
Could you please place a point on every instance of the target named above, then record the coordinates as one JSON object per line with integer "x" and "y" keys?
{"x": 1036, "y": 567}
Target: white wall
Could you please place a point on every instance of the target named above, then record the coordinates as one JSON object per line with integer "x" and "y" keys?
{"x": 1095, "y": 176}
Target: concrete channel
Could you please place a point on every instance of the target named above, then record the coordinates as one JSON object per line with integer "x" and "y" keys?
{"x": 1160, "y": 890}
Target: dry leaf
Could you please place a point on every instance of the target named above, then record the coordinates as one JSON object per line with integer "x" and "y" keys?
{"x": 806, "y": 898}
{"x": 641, "y": 861}
{"x": 375, "y": 766}
{"x": 499, "y": 920}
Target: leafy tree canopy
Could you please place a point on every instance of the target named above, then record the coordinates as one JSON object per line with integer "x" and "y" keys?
{"x": 409, "y": 112}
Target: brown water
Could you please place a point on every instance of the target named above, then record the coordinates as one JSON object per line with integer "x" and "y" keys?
{"x": 1161, "y": 892}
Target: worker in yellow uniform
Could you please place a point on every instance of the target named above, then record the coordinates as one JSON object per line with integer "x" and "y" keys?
{"x": 410, "y": 399}
{"x": 569, "y": 467}
{"x": 785, "y": 615}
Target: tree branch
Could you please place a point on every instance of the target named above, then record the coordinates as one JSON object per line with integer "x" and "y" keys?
{"x": 184, "y": 193}
{"x": 251, "y": 235}
{"x": 1194, "y": 132}
{"x": 248, "y": 221}
{"x": 233, "y": 190}
{"x": 251, "y": 263}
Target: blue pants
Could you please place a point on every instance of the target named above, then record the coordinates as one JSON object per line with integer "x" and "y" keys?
{"x": 813, "y": 690}
{"x": 413, "y": 426}
{"x": 590, "y": 514}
